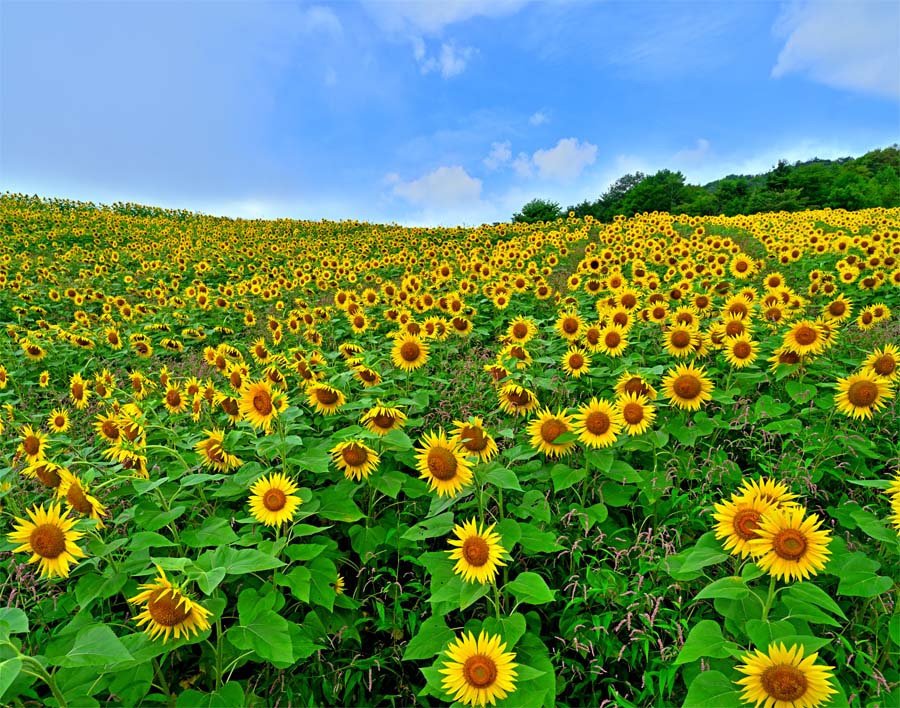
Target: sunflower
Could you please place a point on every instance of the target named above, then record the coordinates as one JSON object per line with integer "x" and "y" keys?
{"x": 687, "y": 386}
{"x": 768, "y": 490}
{"x": 33, "y": 445}
{"x": 173, "y": 400}
{"x": 784, "y": 678}
{"x": 356, "y": 459}
{"x": 478, "y": 553}
{"x": 613, "y": 340}
{"x": 168, "y": 610}
{"x": 634, "y": 383}
{"x": 838, "y": 309}
{"x": 576, "y": 362}
{"x": 259, "y": 405}
{"x": 409, "y": 352}
{"x": 515, "y": 399}
{"x": 681, "y": 340}
{"x": 598, "y": 423}
{"x": 324, "y": 398}
{"x": 58, "y": 420}
{"x": 790, "y": 546}
{"x": 272, "y": 500}
{"x": 479, "y": 671}
{"x": 804, "y": 337}
{"x": 46, "y": 471}
{"x": 382, "y": 419}
{"x": 49, "y": 538}
{"x": 4, "y": 377}
{"x": 212, "y": 453}
{"x": 44, "y": 379}
{"x": 637, "y": 413}
{"x": 569, "y": 325}
{"x": 546, "y": 428}
{"x": 78, "y": 497}
{"x": 884, "y": 362}
{"x": 443, "y": 464}
{"x": 860, "y": 394}
{"x": 521, "y": 330}
{"x": 514, "y": 352}
{"x": 738, "y": 520}
{"x": 740, "y": 351}
{"x": 473, "y": 438}
{"x": 742, "y": 266}
{"x": 79, "y": 391}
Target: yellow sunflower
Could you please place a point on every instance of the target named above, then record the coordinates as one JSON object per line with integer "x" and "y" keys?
{"x": 740, "y": 351}
{"x": 569, "y": 325}
{"x": 212, "y": 453}
{"x": 790, "y": 547}
{"x": 738, "y": 520}
{"x": 785, "y": 678}
{"x": 546, "y": 428}
{"x": 58, "y": 420}
{"x": 173, "y": 400}
{"x": 804, "y": 337}
{"x": 78, "y": 497}
{"x": 168, "y": 611}
{"x": 478, "y": 553}
{"x": 382, "y": 419}
{"x": 33, "y": 445}
{"x": 324, "y": 398}
{"x": 356, "y": 459}
{"x": 634, "y": 383}
{"x": 515, "y": 399}
{"x": 79, "y": 391}
{"x": 259, "y": 404}
{"x": 272, "y": 499}
{"x": 884, "y": 362}
{"x": 49, "y": 538}
{"x": 44, "y": 470}
{"x": 598, "y": 423}
{"x": 861, "y": 394}
{"x": 443, "y": 464}
{"x": 479, "y": 671}
{"x": 613, "y": 340}
{"x": 474, "y": 439}
{"x": 637, "y": 413}
{"x": 687, "y": 387}
{"x": 681, "y": 340}
{"x": 576, "y": 362}
{"x": 768, "y": 490}
{"x": 521, "y": 330}
{"x": 409, "y": 352}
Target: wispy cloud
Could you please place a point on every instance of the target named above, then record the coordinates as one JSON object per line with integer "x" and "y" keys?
{"x": 847, "y": 45}
{"x": 538, "y": 118}
{"x": 499, "y": 155}
{"x": 443, "y": 187}
{"x": 450, "y": 61}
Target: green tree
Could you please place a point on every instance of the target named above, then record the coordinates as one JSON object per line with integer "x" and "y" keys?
{"x": 538, "y": 210}
{"x": 659, "y": 192}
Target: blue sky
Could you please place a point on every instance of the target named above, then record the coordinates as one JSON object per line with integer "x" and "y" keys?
{"x": 428, "y": 112}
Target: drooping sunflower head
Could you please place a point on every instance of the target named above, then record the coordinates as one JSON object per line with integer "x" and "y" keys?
{"x": 212, "y": 452}
{"x": 383, "y": 419}
{"x": 50, "y": 538}
{"x": 443, "y": 464}
{"x": 479, "y": 671}
{"x": 785, "y": 677}
{"x": 515, "y": 399}
{"x": 478, "y": 552}
{"x": 634, "y": 383}
{"x": 168, "y": 611}
{"x": 474, "y": 439}
{"x": 273, "y": 500}
{"x": 78, "y": 497}
{"x": 324, "y": 398}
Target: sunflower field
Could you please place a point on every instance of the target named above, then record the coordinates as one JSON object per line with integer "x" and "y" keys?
{"x": 654, "y": 462}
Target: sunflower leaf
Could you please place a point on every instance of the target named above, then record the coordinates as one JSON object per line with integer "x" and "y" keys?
{"x": 712, "y": 688}
{"x": 95, "y": 645}
{"x": 530, "y": 588}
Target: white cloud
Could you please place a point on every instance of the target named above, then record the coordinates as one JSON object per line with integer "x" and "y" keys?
{"x": 430, "y": 17}
{"x": 444, "y": 187}
{"x": 692, "y": 156}
{"x": 451, "y": 61}
{"x": 566, "y": 161}
{"x": 500, "y": 154}
{"x": 538, "y": 118}
{"x": 321, "y": 20}
{"x": 522, "y": 165}
{"x": 847, "y": 45}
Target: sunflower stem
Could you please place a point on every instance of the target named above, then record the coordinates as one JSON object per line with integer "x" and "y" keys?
{"x": 219, "y": 669}
{"x": 497, "y": 600}
{"x": 163, "y": 684}
{"x": 37, "y": 670}
{"x": 769, "y": 599}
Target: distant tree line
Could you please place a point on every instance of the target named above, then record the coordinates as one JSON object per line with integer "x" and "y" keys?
{"x": 872, "y": 180}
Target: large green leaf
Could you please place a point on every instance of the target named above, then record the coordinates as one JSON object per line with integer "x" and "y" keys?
{"x": 432, "y": 636}
{"x": 95, "y": 645}
{"x": 267, "y": 634}
{"x": 712, "y": 688}
{"x": 530, "y": 588}
{"x": 705, "y": 639}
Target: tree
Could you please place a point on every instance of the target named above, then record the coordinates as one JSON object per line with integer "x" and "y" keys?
{"x": 659, "y": 192}
{"x": 538, "y": 210}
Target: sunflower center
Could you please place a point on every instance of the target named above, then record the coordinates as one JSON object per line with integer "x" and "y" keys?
{"x": 741, "y": 350}
{"x": 576, "y": 361}
{"x": 173, "y": 398}
{"x": 885, "y": 365}
{"x": 384, "y": 421}
{"x": 354, "y": 455}
{"x": 473, "y": 439}
{"x": 552, "y": 429}
{"x": 741, "y": 266}
{"x": 837, "y": 308}
{"x": 612, "y": 339}
{"x": 480, "y": 671}
{"x": 635, "y": 385}
{"x": 862, "y": 393}
{"x": 687, "y": 387}
{"x": 629, "y": 301}
{"x": 410, "y": 351}
{"x": 59, "y": 421}
{"x": 570, "y": 325}
{"x": 789, "y": 544}
{"x": 31, "y": 445}
{"x": 48, "y": 475}
{"x": 734, "y": 328}
{"x": 620, "y": 318}
{"x": 633, "y": 413}
{"x": 519, "y": 353}
{"x": 214, "y": 451}
{"x": 518, "y": 398}
{"x": 274, "y": 500}
{"x": 166, "y": 608}
{"x": 48, "y": 541}
{"x": 262, "y": 402}
{"x": 442, "y": 463}
{"x": 784, "y": 682}
{"x": 475, "y": 550}
{"x": 368, "y": 375}
{"x": 520, "y": 330}
{"x": 867, "y": 317}
{"x": 745, "y": 523}
{"x": 235, "y": 379}
{"x": 805, "y": 335}
{"x": 77, "y": 500}
{"x": 597, "y": 422}
{"x": 593, "y": 336}
{"x": 77, "y": 391}
{"x": 230, "y": 406}
{"x": 326, "y": 396}
{"x": 680, "y": 339}
{"x": 789, "y": 358}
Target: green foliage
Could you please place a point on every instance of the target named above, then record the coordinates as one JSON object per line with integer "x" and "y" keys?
{"x": 538, "y": 210}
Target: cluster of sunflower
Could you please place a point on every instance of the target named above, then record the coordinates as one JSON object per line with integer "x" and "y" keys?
{"x": 762, "y": 520}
